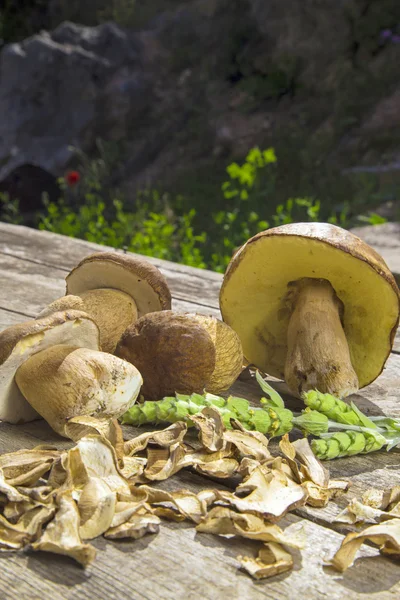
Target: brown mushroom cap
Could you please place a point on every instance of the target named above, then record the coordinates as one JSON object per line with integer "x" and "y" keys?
{"x": 20, "y": 342}
{"x": 130, "y": 274}
{"x": 254, "y": 289}
{"x": 65, "y": 381}
{"x": 173, "y": 353}
{"x": 61, "y": 304}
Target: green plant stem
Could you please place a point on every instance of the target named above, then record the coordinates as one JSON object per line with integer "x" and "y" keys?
{"x": 342, "y": 429}
{"x": 273, "y": 421}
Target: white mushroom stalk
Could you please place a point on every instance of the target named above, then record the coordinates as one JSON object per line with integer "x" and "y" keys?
{"x": 318, "y": 355}
{"x": 63, "y": 382}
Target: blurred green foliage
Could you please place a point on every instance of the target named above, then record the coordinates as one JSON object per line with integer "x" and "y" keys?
{"x": 158, "y": 225}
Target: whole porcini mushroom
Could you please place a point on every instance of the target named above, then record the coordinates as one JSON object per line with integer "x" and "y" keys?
{"x": 115, "y": 289}
{"x": 312, "y": 304}
{"x": 63, "y": 382}
{"x": 19, "y": 342}
{"x": 182, "y": 353}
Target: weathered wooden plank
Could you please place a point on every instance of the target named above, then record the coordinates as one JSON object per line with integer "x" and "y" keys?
{"x": 64, "y": 253}
{"x": 45, "y": 282}
{"x": 8, "y": 318}
{"x": 396, "y": 345}
{"x": 28, "y": 287}
{"x": 180, "y": 564}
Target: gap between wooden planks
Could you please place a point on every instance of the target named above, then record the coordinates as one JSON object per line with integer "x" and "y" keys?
{"x": 41, "y": 283}
{"x": 178, "y": 564}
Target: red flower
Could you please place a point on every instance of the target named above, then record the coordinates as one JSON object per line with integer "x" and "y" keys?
{"x": 72, "y": 178}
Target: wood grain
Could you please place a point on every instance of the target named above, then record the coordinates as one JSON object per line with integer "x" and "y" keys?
{"x": 177, "y": 563}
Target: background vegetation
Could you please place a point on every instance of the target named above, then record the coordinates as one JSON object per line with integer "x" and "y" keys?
{"x": 160, "y": 225}
{"x": 215, "y": 203}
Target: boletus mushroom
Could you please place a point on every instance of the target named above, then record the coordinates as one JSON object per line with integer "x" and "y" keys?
{"x": 312, "y": 304}
{"x": 63, "y": 382}
{"x": 19, "y": 342}
{"x": 181, "y": 353}
{"x": 115, "y": 289}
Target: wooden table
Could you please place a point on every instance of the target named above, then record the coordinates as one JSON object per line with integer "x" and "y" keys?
{"x": 178, "y": 563}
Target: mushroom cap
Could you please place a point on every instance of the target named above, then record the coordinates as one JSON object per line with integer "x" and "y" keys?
{"x": 20, "y": 342}
{"x": 173, "y": 353}
{"x": 61, "y": 304}
{"x": 64, "y": 381}
{"x": 112, "y": 310}
{"x": 228, "y": 353}
{"x": 254, "y": 290}
{"x": 130, "y": 274}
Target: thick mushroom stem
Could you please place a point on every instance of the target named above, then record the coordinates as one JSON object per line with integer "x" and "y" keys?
{"x": 318, "y": 355}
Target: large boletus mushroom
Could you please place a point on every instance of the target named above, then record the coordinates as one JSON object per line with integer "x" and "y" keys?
{"x": 19, "y": 342}
{"x": 63, "y": 382}
{"x": 115, "y": 289}
{"x": 314, "y": 305}
{"x": 181, "y": 353}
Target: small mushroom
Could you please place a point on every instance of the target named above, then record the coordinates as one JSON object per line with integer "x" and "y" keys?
{"x": 314, "y": 305}
{"x": 19, "y": 342}
{"x": 115, "y": 289}
{"x": 182, "y": 353}
{"x": 63, "y": 382}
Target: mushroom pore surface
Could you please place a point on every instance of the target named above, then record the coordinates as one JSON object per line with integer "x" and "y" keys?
{"x": 255, "y": 287}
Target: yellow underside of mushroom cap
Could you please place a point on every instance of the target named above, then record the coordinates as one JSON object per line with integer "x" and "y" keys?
{"x": 255, "y": 285}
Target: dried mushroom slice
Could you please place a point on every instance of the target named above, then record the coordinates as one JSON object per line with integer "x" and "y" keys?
{"x": 62, "y": 534}
{"x": 14, "y": 536}
{"x": 385, "y": 535}
{"x": 165, "y": 438}
{"x": 24, "y": 467}
{"x": 96, "y": 507}
{"x": 272, "y": 559}
{"x": 19, "y": 342}
{"x": 271, "y": 494}
{"x": 225, "y": 521}
{"x": 291, "y": 290}
{"x": 136, "y": 527}
{"x": 211, "y": 429}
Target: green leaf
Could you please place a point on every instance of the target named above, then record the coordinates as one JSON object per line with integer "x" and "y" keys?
{"x": 275, "y": 398}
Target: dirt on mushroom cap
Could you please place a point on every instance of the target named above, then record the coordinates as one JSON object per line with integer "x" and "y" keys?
{"x": 255, "y": 285}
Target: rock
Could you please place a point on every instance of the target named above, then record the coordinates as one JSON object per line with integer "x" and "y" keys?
{"x": 27, "y": 184}
{"x": 68, "y": 88}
